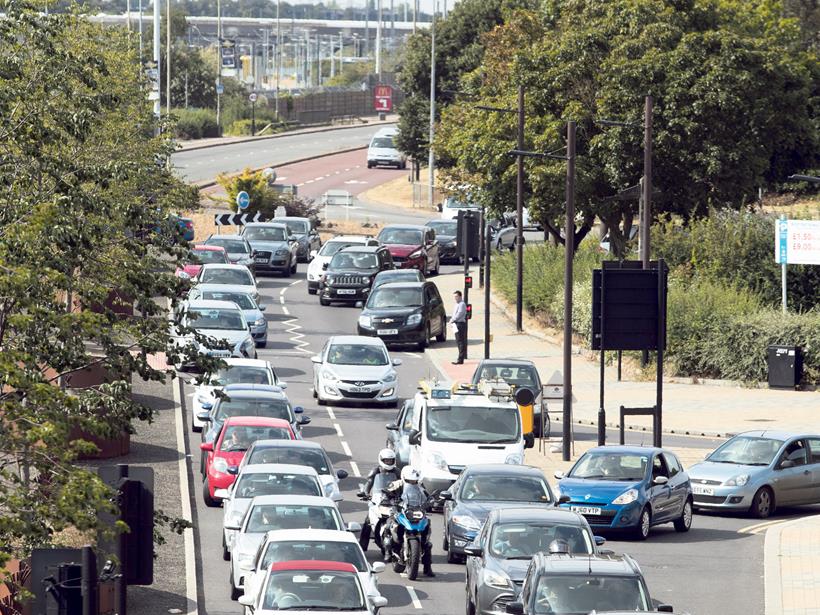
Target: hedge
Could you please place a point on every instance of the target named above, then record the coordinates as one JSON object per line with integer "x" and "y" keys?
{"x": 195, "y": 124}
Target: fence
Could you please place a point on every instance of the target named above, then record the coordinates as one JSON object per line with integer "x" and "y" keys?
{"x": 327, "y": 106}
{"x": 421, "y": 195}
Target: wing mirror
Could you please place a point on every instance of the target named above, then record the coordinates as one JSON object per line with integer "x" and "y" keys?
{"x": 447, "y": 496}
{"x": 222, "y": 494}
{"x": 599, "y": 541}
{"x": 660, "y": 480}
{"x": 233, "y": 470}
{"x": 377, "y": 567}
{"x": 208, "y": 447}
{"x": 354, "y": 526}
{"x": 559, "y": 474}
{"x": 261, "y": 307}
{"x": 562, "y": 499}
{"x": 282, "y": 385}
{"x": 341, "y": 474}
{"x": 316, "y": 358}
{"x": 304, "y": 420}
{"x": 786, "y": 463}
{"x": 665, "y": 608}
{"x": 245, "y": 600}
{"x": 474, "y": 550}
{"x": 378, "y": 602}
{"x": 205, "y": 417}
{"x": 396, "y": 362}
{"x": 515, "y": 608}
{"x": 414, "y": 437}
{"x": 391, "y": 427}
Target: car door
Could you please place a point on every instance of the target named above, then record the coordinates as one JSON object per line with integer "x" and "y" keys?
{"x": 437, "y": 312}
{"x": 408, "y": 422}
{"x": 660, "y": 495}
{"x": 394, "y": 435}
{"x": 678, "y": 482}
{"x": 318, "y": 366}
{"x": 814, "y": 468}
{"x": 432, "y": 248}
{"x": 792, "y": 485}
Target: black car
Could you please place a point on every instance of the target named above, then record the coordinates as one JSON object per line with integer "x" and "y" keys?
{"x": 446, "y": 233}
{"x": 482, "y": 488}
{"x": 391, "y": 276}
{"x": 520, "y": 373}
{"x": 350, "y": 273}
{"x": 404, "y": 313}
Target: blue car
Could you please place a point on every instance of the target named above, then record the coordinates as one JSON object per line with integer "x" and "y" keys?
{"x": 628, "y": 488}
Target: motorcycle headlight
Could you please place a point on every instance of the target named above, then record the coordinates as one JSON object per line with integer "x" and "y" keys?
{"x": 220, "y": 465}
{"x": 365, "y": 321}
{"x": 737, "y": 481}
{"x": 515, "y": 459}
{"x": 390, "y": 377}
{"x": 627, "y": 497}
{"x": 467, "y": 522}
{"x": 498, "y": 580}
{"x": 414, "y": 254}
{"x": 436, "y": 460}
{"x": 414, "y": 319}
{"x": 329, "y": 375}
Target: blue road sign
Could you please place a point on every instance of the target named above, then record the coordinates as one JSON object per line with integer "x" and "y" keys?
{"x": 782, "y": 240}
{"x": 243, "y": 199}
{"x": 220, "y": 89}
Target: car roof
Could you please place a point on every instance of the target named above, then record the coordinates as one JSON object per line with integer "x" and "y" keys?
{"x": 222, "y": 288}
{"x": 361, "y": 238}
{"x": 503, "y": 362}
{"x": 247, "y": 362}
{"x": 265, "y": 224}
{"x": 398, "y": 273}
{"x": 418, "y": 284}
{"x": 531, "y": 514}
{"x": 362, "y": 340}
{"x": 505, "y": 469}
{"x": 776, "y": 434}
{"x": 287, "y": 444}
{"x": 313, "y": 565}
{"x": 390, "y": 130}
{"x": 361, "y": 248}
{"x": 224, "y": 266}
{"x": 615, "y": 565}
{"x": 241, "y": 393}
{"x": 293, "y": 500}
{"x": 408, "y": 227}
{"x": 212, "y": 304}
{"x": 634, "y": 450}
{"x": 256, "y": 421}
{"x": 313, "y": 536}
{"x": 239, "y": 387}
{"x": 285, "y": 468}
{"x": 208, "y": 248}
{"x": 299, "y": 218}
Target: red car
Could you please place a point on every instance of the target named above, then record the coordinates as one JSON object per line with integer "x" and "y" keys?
{"x": 412, "y": 247}
{"x": 236, "y": 436}
{"x": 200, "y": 255}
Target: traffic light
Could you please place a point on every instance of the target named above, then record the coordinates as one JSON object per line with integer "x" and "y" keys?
{"x": 468, "y": 281}
{"x": 469, "y": 311}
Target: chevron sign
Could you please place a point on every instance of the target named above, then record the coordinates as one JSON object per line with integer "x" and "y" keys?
{"x": 237, "y": 219}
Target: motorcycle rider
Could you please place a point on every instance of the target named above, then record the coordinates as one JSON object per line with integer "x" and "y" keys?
{"x": 379, "y": 479}
{"x": 414, "y": 495}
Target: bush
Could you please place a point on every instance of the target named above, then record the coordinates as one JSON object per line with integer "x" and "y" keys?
{"x": 195, "y": 124}
{"x": 240, "y": 128}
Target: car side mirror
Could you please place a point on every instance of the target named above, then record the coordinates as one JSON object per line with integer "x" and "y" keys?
{"x": 208, "y": 447}
{"x": 396, "y": 362}
{"x": 262, "y": 308}
{"x": 316, "y": 358}
{"x": 378, "y": 602}
{"x": 341, "y": 474}
{"x": 246, "y": 600}
{"x": 439, "y": 207}
{"x": 414, "y": 437}
{"x": 298, "y": 410}
{"x": 304, "y": 420}
{"x": 282, "y": 385}
{"x": 391, "y": 427}
{"x": 559, "y": 474}
{"x": 599, "y": 541}
{"x": 660, "y": 480}
{"x": 205, "y": 417}
{"x": 562, "y": 499}
{"x": 354, "y": 526}
{"x": 313, "y": 253}
{"x": 446, "y": 495}
{"x": 786, "y": 463}
{"x": 208, "y": 405}
{"x": 377, "y": 567}
{"x": 665, "y": 608}
{"x": 474, "y": 550}
{"x": 222, "y": 494}
{"x": 515, "y": 608}
{"x": 233, "y": 470}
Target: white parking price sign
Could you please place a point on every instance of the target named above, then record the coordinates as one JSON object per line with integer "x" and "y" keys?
{"x": 797, "y": 242}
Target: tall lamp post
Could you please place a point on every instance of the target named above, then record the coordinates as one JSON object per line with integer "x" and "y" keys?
{"x": 431, "y": 162}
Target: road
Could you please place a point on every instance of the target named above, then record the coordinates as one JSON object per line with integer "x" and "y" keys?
{"x": 205, "y": 164}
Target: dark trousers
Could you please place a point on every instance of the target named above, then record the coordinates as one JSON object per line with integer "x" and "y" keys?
{"x": 461, "y": 339}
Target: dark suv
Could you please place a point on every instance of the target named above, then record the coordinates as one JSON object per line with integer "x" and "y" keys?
{"x": 404, "y": 313}
{"x": 350, "y": 273}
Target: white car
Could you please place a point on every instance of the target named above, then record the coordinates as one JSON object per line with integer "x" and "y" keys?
{"x": 298, "y": 452}
{"x": 355, "y": 368}
{"x": 262, "y": 479}
{"x": 238, "y": 277}
{"x": 221, "y": 320}
{"x": 321, "y": 259}
{"x": 324, "y": 545}
{"x": 238, "y": 371}
{"x": 278, "y": 512}
{"x": 312, "y": 588}
{"x": 451, "y": 207}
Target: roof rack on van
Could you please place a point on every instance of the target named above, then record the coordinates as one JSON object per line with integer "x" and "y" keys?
{"x": 496, "y": 390}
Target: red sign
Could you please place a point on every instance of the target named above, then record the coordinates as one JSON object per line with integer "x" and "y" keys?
{"x": 383, "y": 98}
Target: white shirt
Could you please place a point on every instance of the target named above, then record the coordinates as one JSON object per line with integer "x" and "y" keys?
{"x": 459, "y": 313}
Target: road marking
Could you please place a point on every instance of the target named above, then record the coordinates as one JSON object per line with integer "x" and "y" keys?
{"x": 282, "y": 300}
{"x": 413, "y": 596}
{"x": 285, "y": 310}
{"x": 346, "y": 449}
{"x": 759, "y": 528}
{"x": 303, "y": 183}
{"x": 338, "y": 430}
{"x": 188, "y": 533}
{"x": 337, "y": 173}
{"x": 296, "y": 337}
{"x": 320, "y": 178}
{"x": 355, "y": 468}
{"x": 310, "y": 181}
{"x": 295, "y": 283}
{"x": 348, "y": 169}
{"x": 410, "y": 354}
{"x": 282, "y": 292}
{"x": 331, "y": 414}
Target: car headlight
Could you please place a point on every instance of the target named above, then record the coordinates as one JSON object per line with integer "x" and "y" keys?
{"x": 436, "y": 460}
{"x": 737, "y": 481}
{"x": 281, "y": 252}
{"x": 414, "y": 253}
{"x": 390, "y": 377}
{"x": 260, "y": 323}
{"x": 365, "y": 321}
{"x": 499, "y": 580}
{"x": 627, "y": 497}
{"x": 329, "y": 280}
{"x": 414, "y": 319}
{"x": 467, "y": 522}
{"x": 515, "y": 459}
{"x": 329, "y": 375}
{"x": 220, "y": 465}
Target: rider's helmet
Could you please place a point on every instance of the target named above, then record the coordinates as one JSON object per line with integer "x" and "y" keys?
{"x": 387, "y": 460}
{"x": 410, "y": 475}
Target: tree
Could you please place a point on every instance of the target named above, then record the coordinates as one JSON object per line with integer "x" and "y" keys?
{"x": 86, "y": 222}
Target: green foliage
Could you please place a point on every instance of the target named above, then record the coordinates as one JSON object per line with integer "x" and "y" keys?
{"x": 263, "y": 197}
{"x": 351, "y": 74}
{"x": 413, "y": 135}
{"x": 195, "y": 124}
{"x": 240, "y": 127}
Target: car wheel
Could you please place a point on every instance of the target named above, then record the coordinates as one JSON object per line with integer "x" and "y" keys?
{"x": 442, "y": 336}
{"x": 369, "y": 165}
{"x": 235, "y": 593}
{"x": 454, "y": 558}
{"x": 323, "y": 301}
{"x": 763, "y": 503}
{"x": 470, "y": 605}
{"x": 684, "y": 522}
{"x": 426, "y": 341}
{"x": 261, "y": 344}
{"x": 226, "y": 555}
{"x": 445, "y": 544}
{"x": 206, "y": 496}
{"x": 644, "y": 524}
{"x": 287, "y": 271}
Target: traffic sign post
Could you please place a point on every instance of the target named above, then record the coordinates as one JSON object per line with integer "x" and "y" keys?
{"x": 796, "y": 242}
{"x": 383, "y": 98}
{"x": 237, "y": 219}
{"x": 243, "y": 200}
{"x": 252, "y": 98}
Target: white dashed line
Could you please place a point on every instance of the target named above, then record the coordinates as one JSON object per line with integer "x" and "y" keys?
{"x": 413, "y": 597}
{"x": 347, "y": 169}
{"x": 355, "y": 468}
{"x": 331, "y": 414}
{"x": 338, "y": 430}
{"x": 310, "y": 181}
{"x": 346, "y": 449}
{"x": 295, "y": 283}
{"x": 409, "y": 354}
{"x": 303, "y": 183}
{"x": 285, "y": 310}
{"x": 282, "y": 300}
{"x": 282, "y": 291}
{"x": 338, "y": 172}
{"x": 320, "y": 178}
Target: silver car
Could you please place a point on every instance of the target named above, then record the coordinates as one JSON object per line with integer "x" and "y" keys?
{"x": 757, "y": 471}
{"x": 398, "y": 433}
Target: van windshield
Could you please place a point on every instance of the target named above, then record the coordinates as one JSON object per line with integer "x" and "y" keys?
{"x": 473, "y": 424}
{"x": 383, "y": 143}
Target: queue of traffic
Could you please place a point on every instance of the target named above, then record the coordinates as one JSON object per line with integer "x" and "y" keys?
{"x": 529, "y": 546}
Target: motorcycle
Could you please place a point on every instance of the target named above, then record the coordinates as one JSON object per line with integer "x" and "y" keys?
{"x": 409, "y": 537}
{"x": 380, "y": 510}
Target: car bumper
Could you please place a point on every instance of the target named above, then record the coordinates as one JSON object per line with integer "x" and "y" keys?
{"x": 409, "y": 263}
{"x": 494, "y": 601}
{"x": 277, "y": 264}
{"x": 260, "y": 334}
{"x": 331, "y": 293}
{"x": 725, "y": 498}
{"x": 340, "y": 391}
{"x": 387, "y": 162}
{"x": 312, "y": 284}
{"x": 459, "y": 538}
{"x": 413, "y": 334}
{"x": 611, "y": 517}
{"x": 448, "y": 254}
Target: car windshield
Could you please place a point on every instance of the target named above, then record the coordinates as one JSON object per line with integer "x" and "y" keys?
{"x": 243, "y": 300}
{"x": 583, "y": 593}
{"x": 444, "y": 227}
{"x": 240, "y": 374}
{"x": 217, "y": 318}
{"x": 297, "y": 227}
{"x": 606, "y": 465}
{"x": 331, "y": 247}
{"x": 452, "y": 203}
{"x": 523, "y": 540}
{"x": 354, "y": 260}
{"x": 202, "y": 257}
{"x": 395, "y": 297}
{"x": 747, "y": 450}
{"x": 383, "y": 142}
{"x": 240, "y": 437}
{"x": 269, "y": 408}
{"x": 276, "y": 483}
{"x": 304, "y": 550}
{"x": 265, "y": 233}
{"x": 517, "y": 375}
{"x": 401, "y": 236}
{"x": 239, "y": 276}
{"x": 267, "y": 517}
{"x": 313, "y": 590}
{"x": 311, "y": 457}
{"x": 473, "y": 424}
{"x": 356, "y": 354}
{"x": 231, "y": 245}
{"x": 505, "y": 488}
{"x": 398, "y": 275}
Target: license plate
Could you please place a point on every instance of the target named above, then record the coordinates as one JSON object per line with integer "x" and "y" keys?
{"x": 585, "y": 510}
{"x": 387, "y": 332}
{"x": 346, "y": 291}
{"x": 359, "y": 390}
{"x": 701, "y": 490}
{"x": 261, "y": 260}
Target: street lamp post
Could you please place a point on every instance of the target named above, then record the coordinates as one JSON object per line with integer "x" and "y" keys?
{"x": 431, "y": 162}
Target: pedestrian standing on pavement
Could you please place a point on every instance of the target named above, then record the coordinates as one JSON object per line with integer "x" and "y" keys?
{"x": 459, "y": 321}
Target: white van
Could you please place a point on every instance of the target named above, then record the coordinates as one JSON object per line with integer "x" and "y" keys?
{"x": 382, "y": 150}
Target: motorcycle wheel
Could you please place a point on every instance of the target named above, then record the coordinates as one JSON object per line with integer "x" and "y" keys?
{"x": 398, "y": 567}
{"x": 412, "y": 555}
{"x": 364, "y": 536}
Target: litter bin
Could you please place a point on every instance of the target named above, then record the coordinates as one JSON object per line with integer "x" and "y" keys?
{"x": 785, "y": 364}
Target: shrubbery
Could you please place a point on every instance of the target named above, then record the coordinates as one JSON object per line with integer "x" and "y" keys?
{"x": 195, "y": 124}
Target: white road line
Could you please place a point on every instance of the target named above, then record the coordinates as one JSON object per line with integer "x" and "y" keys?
{"x": 303, "y": 183}
{"x": 285, "y": 310}
{"x": 338, "y": 430}
{"x": 337, "y": 172}
{"x": 413, "y": 597}
{"x": 310, "y": 181}
{"x": 331, "y": 414}
{"x": 282, "y": 300}
{"x": 188, "y": 534}
{"x": 410, "y": 354}
{"x": 296, "y": 337}
{"x": 295, "y": 283}
{"x": 348, "y": 169}
{"x": 282, "y": 292}
{"x": 355, "y": 468}
{"x": 320, "y": 178}
{"x": 346, "y": 449}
